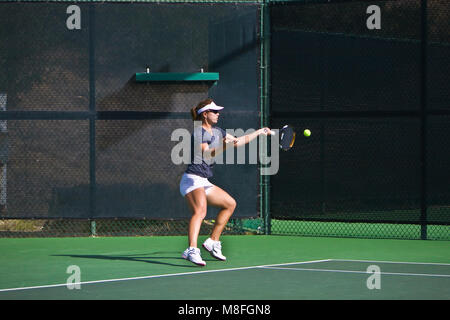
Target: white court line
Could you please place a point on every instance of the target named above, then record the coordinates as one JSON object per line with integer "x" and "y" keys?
{"x": 365, "y": 272}
{"x": 159, "y": 276}
{"x": 394, "y": 262}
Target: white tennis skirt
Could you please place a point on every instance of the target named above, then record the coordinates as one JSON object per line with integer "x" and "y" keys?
{"x": 191, "y": 182}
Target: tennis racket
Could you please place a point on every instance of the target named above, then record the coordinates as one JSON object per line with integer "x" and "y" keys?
{"x": 286, "y": 138}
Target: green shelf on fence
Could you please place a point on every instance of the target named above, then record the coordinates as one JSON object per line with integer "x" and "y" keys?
{"x": 176, "y": 77}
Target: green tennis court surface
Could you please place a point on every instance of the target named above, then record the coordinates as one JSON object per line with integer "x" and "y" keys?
{"x": 258, "y": 267}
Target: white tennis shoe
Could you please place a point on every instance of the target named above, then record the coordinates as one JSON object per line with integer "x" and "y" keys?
{"x": 214, "y": 248}
{"x": 193, "y": 254}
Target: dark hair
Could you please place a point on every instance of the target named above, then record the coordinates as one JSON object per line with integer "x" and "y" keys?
{"x": 200, "y": 105}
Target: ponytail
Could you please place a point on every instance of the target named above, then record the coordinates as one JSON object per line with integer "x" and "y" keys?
{"x": 194, "y": 114}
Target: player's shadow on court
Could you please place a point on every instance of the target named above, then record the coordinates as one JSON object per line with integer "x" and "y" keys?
{"x": 132, "y": 258}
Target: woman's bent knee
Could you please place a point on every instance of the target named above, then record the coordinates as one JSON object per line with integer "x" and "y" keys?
{"x": 199, "y": 213}
{"x": 231, "y": 204}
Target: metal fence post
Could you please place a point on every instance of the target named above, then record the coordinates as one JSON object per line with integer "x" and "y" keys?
{"x": 265, "y": 107}
{"x": 423, "y": 103}
{"x": 92, "y": 118}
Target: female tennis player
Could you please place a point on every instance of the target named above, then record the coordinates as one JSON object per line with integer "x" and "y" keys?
{"x": 211, "y": 141}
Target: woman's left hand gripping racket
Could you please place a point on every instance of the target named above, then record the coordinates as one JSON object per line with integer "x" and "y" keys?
{"x": 286, "y": 137}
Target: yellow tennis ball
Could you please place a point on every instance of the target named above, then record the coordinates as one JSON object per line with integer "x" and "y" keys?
{"x": 307, "y": 133}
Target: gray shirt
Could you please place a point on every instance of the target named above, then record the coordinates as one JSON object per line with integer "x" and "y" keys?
{"x": 199, "y": 166}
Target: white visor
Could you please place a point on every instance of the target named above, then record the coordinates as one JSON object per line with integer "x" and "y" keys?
{"x": 211, "y": 106}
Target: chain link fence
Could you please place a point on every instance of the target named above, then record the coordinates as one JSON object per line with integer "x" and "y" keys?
{"x": 83, "y": 146}
{"x": 86, "y": 149}
{"x": 370, "y": 80}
